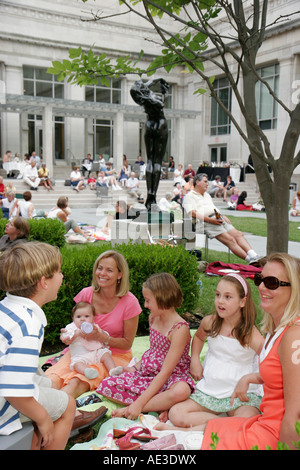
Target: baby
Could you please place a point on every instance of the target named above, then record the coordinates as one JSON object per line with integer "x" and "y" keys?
{"x": 85, "y": 351}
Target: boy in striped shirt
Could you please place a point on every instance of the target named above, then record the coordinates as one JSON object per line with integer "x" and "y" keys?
{"x": 30, "y": 273}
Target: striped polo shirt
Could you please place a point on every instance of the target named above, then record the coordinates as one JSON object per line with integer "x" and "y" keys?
{"x": 22, "y": 324}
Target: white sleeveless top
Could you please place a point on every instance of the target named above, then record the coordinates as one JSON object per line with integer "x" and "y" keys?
{"x": 24, "y": 206}
{"x": 53, "y": 213}
{"x": 225, "y": 363}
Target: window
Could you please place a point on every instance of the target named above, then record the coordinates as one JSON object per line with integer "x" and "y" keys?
{"x": 37, "y": 82}
{"x": 219, "y": 121}
{"x": 103, "y": 129}
{"x": 218, "y": 154}
{"x": 103, "y": 137}
{"x": 102, "y": 94}
{"x": 265, "y": 104}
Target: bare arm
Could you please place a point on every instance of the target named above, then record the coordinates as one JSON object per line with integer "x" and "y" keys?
{"x": 289, "y": 354}
{"x": 197, "y": 346}
{"x": 130, "y": 329}
{"x": 178, "y": 340}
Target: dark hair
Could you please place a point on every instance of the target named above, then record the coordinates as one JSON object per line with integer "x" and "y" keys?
{"x": 199, "y": 177}
{"x": 27, "y": 195}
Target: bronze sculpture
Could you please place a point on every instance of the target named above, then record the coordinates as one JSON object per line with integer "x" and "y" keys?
{"x": 152, "y": 96}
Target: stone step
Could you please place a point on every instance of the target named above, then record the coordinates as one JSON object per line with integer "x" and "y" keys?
{"x": 43, "y": 199}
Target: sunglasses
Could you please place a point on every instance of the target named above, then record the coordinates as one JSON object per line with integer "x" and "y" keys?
{"x": 271, "y": 282}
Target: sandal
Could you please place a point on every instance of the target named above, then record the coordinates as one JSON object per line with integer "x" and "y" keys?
{"x": 125, "y": 443}
{"x": 143, "y": 435}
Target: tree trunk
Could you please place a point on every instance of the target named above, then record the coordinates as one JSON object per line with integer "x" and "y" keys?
{"x": 274, "y": 187}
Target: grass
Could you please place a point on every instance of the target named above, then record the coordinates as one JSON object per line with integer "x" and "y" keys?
{"x": 258, "y": 226}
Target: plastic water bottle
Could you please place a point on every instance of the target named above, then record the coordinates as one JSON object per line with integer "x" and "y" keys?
{"x": 200, "y": 285}
{"x": 86, "y": 327}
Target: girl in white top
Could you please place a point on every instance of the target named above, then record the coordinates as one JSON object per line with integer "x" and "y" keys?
{"x": 295, "y": 210}
{"x": 234, "y": 343}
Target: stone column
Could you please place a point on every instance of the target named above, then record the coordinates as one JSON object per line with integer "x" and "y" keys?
{"x": 48, "y": 138}
{"x": 118, "y": 140}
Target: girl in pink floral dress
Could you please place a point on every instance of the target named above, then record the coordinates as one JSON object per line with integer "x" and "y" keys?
{"x": 162, "y": 377}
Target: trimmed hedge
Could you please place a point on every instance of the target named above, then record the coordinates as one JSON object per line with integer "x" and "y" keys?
{"x": 43, "y": 230}
{"x": 143, "y": 260}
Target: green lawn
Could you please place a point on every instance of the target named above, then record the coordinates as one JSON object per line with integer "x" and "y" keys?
{"x": 258, "y": 226}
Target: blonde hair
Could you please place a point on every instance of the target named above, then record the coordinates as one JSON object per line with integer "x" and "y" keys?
{"x": 243, "y": 330}
{"x": 165, "y": 289}
{"x": 292, "y": 309}
{"x": 24, "y": 265}
{"x": 122, "y": 287}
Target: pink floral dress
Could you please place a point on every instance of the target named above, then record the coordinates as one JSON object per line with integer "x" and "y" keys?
{"x": 127, "y": 387}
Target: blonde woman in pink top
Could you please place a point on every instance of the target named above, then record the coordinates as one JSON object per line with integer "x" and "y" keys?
{"x": 117, "y": 315}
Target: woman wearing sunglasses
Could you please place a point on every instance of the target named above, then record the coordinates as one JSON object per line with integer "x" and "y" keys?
{"x": 279, "y": 368}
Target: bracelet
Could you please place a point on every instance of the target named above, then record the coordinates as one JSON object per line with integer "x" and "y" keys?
{"x": 108, "y": 338}
{"x": 135, "y": 367}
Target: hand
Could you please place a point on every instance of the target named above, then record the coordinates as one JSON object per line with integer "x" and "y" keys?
{"x": 215, "y": 221}
{"x": 132, "y": 411}
{"x": 225, "y": 219}
{"x": 240, "y": 390}
{"x": 46, "y": 428}
{"x": 196, "y": 369}
{"x": 65, "y": 339}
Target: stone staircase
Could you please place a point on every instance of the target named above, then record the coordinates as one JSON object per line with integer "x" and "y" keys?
{"x": 43, "y": 199}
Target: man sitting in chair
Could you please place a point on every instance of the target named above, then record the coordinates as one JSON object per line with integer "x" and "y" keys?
{"x": 198, "y": 204}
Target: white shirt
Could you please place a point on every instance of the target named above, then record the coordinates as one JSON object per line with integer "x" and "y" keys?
{"x": 75, "y": 175}
{"x": 24, "y": 206}
{"x": 8, "y": 205}
{"x": 195, "y": 201}
{"x": 30, "y": 172}
{"x": 131, "y": 182}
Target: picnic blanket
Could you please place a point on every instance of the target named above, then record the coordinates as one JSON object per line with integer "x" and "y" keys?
{"x": 140, "y": 345}
{"x": 105, "y": 441}
{"x": 94, "y": 233}
{"x": 221, "y": 269}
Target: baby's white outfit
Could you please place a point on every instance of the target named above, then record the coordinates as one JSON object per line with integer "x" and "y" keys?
{"x": 82, "y": 350}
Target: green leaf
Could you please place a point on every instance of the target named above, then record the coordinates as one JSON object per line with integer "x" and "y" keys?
{"x": 58, "y": 65}
{"x": 73, "y": 53}
{"x": 200, "y": 91}
{"x": 52, "y": 70}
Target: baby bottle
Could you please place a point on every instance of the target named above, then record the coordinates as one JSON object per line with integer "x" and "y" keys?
{"x": 86, "y": 327}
